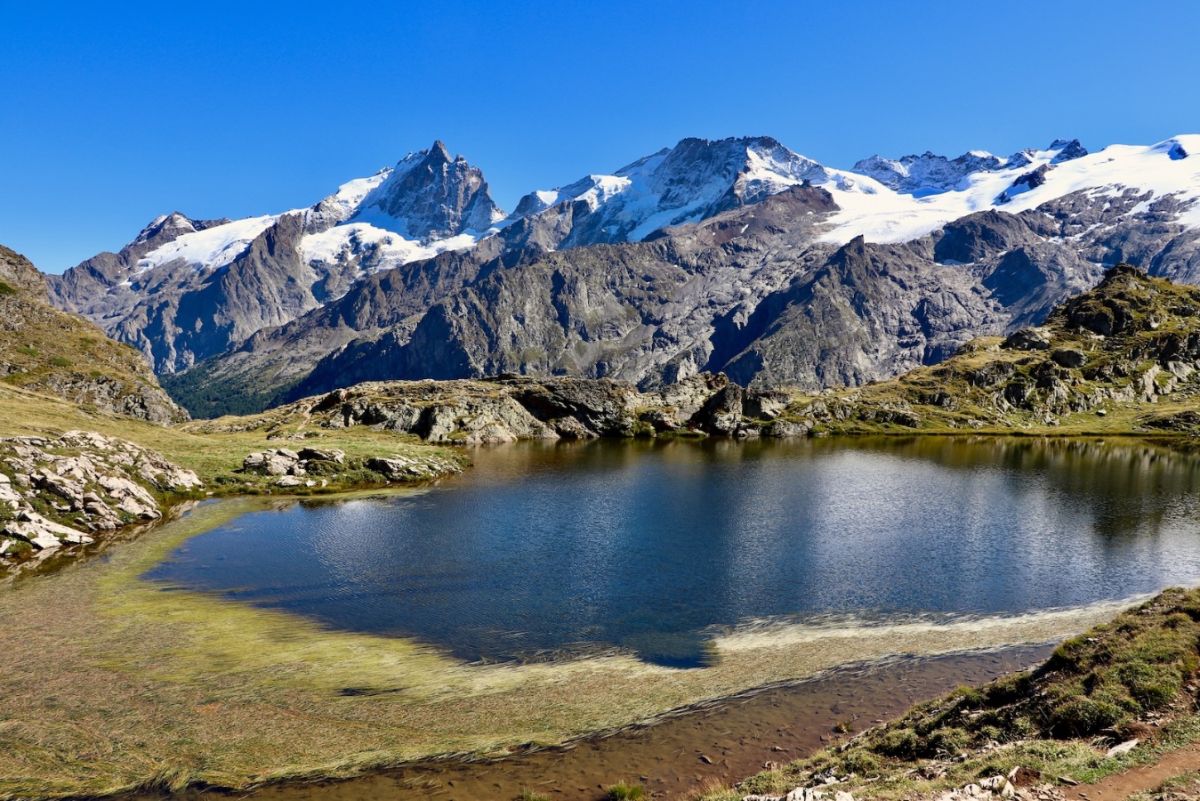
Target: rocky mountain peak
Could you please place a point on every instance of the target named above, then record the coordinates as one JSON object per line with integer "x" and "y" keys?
{"x": 169, "y": 227}
{"x": 17, "y": 274}
{"x": 430, "y": 195}
{"x": 1068, "y": 149}
{"x": 927, "y": 173}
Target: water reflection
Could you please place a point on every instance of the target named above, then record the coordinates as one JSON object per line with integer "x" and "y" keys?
{"x": 646, "y": 546}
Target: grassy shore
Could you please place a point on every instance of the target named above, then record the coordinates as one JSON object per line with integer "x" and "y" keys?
{"x": 1131, "y": 678}
{"x": 216, "y": 453}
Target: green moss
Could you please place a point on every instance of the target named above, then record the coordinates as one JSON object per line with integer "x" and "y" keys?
{"x": 6, "y": 289}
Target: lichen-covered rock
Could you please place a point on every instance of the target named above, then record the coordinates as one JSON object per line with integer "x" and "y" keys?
{"x": 469, "y": 412}
{"x": 1027, "y": 339}
{"x": 64, "y": 491}
{"x": 408, "y": 468}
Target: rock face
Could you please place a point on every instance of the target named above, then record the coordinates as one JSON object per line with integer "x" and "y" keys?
{"x": 187, "y": 289}
{"x": 66, "y": 491}
{"x": 51, "y": 352}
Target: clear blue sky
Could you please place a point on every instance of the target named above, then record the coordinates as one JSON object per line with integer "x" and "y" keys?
{"x": 116, "y": 112}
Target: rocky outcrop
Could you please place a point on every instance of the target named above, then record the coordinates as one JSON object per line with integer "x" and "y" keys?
{"x": 71, "y": 489}
{"x": 466, "y": 412}
{"x": 316, "y": 467}
{"x": 56, "y": 353}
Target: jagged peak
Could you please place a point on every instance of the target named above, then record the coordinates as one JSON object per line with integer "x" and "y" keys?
{"x": 175, "y": 221}
{"x": 428, "y": 195}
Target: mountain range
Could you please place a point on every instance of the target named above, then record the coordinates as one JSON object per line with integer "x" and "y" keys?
{"x": 736, "y": 255}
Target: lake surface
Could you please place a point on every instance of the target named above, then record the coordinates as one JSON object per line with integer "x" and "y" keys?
{"x": 549, "y": 550}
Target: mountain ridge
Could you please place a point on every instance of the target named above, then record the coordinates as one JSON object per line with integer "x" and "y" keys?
{"x": 1140, "y": 204}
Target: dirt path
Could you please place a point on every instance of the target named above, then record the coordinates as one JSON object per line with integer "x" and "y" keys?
{"x": 1140, "y": 779}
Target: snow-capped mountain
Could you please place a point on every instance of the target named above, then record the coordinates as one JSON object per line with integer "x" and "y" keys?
{"x": 405, "y": 253}
{"x": 687, "y": 183}
{"x": 930, "y": 174}
{"x": 185, "y": 289}
{"x": 1024, "y": 181}
{"x": 429, "y": 202}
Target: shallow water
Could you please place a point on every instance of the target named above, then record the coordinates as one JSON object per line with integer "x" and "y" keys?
{"x": 679, "y": 755}
{"x": 542, "y": 550}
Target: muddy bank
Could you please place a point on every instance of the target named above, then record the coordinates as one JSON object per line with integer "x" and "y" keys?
{"x": 679, "y": 755}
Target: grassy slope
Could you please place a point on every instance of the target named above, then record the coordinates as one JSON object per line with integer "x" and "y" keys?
{"x": 1132, "y": 678}
{"x": 44, "y": 349}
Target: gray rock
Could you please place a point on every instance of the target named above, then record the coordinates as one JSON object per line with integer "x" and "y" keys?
{"x": 1027, "y": 339}
{"x": 1069, "y": 357}
{"x": 322, "y": 455}
{"x": 96, "y": 483}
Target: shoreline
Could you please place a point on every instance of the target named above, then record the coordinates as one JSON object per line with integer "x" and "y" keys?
{"x": 176, "y": 505}
{"x": 885, "y": 687}
{"x": 193, "y": 637}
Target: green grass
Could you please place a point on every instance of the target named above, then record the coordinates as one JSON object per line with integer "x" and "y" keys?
{"x": 625, "y": 792}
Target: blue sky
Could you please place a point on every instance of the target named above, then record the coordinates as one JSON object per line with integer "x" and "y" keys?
{"x": 116, "y": 112}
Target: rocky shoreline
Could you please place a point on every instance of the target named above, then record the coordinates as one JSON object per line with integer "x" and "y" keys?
{"x": 70, "y": 489}
{"x": 61, "y": 493}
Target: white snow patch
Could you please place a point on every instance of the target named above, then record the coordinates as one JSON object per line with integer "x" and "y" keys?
{"x": 344, "y": 242}
{"x": 887, "y": 216}
{"x": 212, "y": 247}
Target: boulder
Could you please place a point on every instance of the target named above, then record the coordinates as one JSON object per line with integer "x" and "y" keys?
{"x": 270, "y": 463}
{"x": 765, "y": 405}
{"x": 722, "y": 413}
{"x": 1069, "y": 357}
{"x": 408, "y": 468}
{"x": 784, "y": 429}
{"x": 1027, "y": 339}
{"x": 322, "y": 455}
